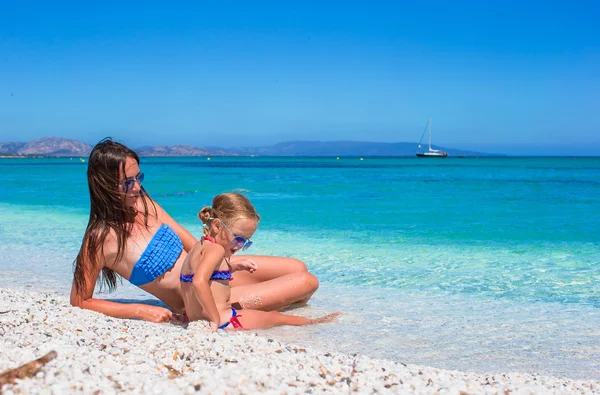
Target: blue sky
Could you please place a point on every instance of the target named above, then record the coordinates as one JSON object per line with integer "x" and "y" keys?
{"x": 513, "y": 77}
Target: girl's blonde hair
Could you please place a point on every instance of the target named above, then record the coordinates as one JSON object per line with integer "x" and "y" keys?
{"x": 228, "y": 207}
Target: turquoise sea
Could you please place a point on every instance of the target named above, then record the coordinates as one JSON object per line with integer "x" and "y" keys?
{"x": 485, "y": 265}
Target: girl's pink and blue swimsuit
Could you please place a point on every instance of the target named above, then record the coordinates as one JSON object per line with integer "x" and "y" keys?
{"x": 217, "y": 275}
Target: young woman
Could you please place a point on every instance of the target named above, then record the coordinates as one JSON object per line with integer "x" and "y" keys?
{"x": 129, "y": 234}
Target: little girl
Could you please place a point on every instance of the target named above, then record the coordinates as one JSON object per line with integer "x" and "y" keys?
{"x": 228, "y": 226}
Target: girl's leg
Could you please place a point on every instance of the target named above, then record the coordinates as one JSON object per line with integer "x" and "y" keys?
{"x": 274, "y": 294}
{"x": 253, "y": 319}
{"x": 277, "y": 283}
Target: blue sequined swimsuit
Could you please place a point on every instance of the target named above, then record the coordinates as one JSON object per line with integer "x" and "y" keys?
{"x": 159, "y": 256}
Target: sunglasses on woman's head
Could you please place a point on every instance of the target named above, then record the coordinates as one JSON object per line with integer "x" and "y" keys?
{"x": 129, "y": 183}
{"x": 238, "y": 242}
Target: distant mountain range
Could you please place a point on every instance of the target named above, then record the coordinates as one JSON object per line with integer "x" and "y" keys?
{"x": 47, "y": 146}
{"x": 342, "y": 148}
{"x": 56, "y": 146}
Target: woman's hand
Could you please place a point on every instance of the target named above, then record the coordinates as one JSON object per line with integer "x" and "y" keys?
{"x": 244, "y": 264}
{"x": 154, "y": 313}
{"x": 213, "y": 326}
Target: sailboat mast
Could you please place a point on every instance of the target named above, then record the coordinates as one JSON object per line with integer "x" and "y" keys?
{"x": 429, "y": 133}
{"x": 432, "y": 153}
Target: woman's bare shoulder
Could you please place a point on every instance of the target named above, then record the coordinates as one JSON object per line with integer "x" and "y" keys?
{"x": 162, "y": 217}
{"x": 110, "y": 249}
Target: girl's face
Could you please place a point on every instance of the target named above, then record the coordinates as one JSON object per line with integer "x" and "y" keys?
{"x": 130, "y": 183}
{"x": 237, "y": 235}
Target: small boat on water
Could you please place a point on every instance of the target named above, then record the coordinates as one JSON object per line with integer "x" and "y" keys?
{"x": 431, "y": 153}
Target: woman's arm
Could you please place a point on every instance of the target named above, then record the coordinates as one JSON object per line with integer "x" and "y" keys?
{"x": 122, "y": 310}
{"x": 210, "y": 260}
{"x": 84, "y": 299}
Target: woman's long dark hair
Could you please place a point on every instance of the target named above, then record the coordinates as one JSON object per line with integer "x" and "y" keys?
{"x": 108, "y": 211}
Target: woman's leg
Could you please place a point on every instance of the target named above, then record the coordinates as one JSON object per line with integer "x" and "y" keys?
{"x": 275, "y": 294}
{"x": 252, "y": 319}
{"x": 269, "y": 267}
{"x": 276, "y": 284}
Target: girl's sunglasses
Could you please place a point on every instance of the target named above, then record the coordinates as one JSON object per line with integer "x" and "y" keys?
{"x": 129, "y": 183}
{"x": 238, "y": 242}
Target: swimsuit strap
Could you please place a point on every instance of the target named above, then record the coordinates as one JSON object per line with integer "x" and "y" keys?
{"x": 233, "y": 320}
{"x": 236, "y": 322}
{"x": 208, "y": 238}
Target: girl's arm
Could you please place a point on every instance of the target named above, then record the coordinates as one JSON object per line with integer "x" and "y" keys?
{"x": 186, "y": 237}
{"x": 210, "y": 260}
{"x": 84, "y": 299}
{"x": 247, "y": 264}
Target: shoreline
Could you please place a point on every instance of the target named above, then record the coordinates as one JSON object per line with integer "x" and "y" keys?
{"x": 96, "y": 352}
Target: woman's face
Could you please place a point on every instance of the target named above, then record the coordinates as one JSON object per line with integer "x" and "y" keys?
{"x": 131, "y": 182}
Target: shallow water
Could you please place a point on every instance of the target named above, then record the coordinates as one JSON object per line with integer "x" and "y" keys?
{"x": 480, "y": 265}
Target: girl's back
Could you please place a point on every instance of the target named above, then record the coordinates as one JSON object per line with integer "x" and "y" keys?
{"x": 219, "y": 286}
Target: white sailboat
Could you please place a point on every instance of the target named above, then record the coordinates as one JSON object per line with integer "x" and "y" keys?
{"x": 431, "y": 153}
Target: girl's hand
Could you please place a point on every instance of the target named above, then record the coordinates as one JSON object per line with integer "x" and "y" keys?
{"x": 213, "y": 326}
{"x": 244, "y": 264}
{"x": 154, "y": 313}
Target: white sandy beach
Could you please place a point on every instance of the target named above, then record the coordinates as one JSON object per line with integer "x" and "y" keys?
{"x": 99, "y": 354}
